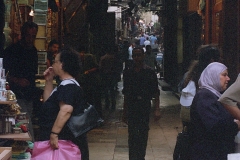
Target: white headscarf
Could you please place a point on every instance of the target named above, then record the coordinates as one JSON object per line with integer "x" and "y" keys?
{"x": 210, "y": 78}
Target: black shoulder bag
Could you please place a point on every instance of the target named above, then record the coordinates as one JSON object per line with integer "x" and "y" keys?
{"x": 84, "y": 122}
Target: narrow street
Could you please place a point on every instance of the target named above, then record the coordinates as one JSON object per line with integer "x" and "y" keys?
{"x": 110, "y": 142}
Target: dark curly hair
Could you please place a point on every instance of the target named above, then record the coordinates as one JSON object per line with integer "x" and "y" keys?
{"x": 52, "y": 42}
{"x": 207, "y": 54}
{"x": 70, "y": 61}
{"x": 26, "y": 26}
{"x": 138, "y": 48}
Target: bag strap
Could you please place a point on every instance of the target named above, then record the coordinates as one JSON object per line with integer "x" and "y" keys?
{"x": 69, "y": 81}
{"x": 73, "y": 81}
{"x": 85, "y": 102}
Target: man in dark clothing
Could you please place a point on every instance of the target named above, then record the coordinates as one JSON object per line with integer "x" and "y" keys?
{"x": 89, "y": 79}
{"x": 108, "y": 72}
{"x": 124, "y": 51}
{"x": 140, "y": 85}
{"x": 53, "y": 48}
{"x": 20, "y": 61}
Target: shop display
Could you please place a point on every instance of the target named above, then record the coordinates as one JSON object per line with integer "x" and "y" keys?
{"x": 10, "y": 123}
{"x": 5, "y": 94}
{"x": 13, "y": 122}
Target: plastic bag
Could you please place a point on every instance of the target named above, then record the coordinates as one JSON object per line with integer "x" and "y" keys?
{"x": 67, "y": 150}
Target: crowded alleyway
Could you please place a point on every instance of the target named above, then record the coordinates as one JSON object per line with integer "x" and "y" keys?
{"x": 110, "y": 142}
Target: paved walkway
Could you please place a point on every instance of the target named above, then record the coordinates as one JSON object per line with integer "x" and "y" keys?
{"x": 110, "y": 142}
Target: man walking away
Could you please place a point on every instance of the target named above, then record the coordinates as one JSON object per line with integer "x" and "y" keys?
{"x": 140, "y": 85}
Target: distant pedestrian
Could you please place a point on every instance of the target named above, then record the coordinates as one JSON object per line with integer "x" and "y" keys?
{"x": 140, "y": 85}
{"x": 108, "y": 70}
{"x": 142, "y": 40}
{"x": 150, "y": 58}
{"x": 153, "y": 39}
{"x": 147, "y": 42}
{"x": 119, "y": 65}
{"x": 89, "y": 79}
{"x": 129, "y": 62}
{"x": 155, "y": 47}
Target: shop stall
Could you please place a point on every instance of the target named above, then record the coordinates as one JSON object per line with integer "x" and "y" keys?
{"x": 14, "y": 136}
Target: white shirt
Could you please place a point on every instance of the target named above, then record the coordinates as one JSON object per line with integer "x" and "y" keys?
{"x": 130, "y": 52}
{"x": 147, "y": 42}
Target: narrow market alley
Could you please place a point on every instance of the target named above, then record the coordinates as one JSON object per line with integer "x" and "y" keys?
{"x": 110, "y": 142}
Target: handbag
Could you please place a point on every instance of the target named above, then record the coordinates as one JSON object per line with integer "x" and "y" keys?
{"x": 84, "y": 122}
{"x": 67, "y": 150}
{"x": 181, "y": 150}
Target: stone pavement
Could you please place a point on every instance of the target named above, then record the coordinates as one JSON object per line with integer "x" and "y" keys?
{"x": 110, "y": 142}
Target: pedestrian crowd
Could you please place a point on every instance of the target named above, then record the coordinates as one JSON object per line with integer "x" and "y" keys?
{"x": 81, "y": 78}
{"x": 209, "y": 109}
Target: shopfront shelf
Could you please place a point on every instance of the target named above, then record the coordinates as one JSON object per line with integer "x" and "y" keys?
{"x": 17, "y": 136}
{"x": 8, "y": 102}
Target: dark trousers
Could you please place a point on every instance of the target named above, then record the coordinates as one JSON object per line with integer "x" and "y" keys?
{"x": 82, "y": 143}
{"x": 138, "y": 127}
{"x": 109, "y": 82}
{"x": 92, "y": 94}
{"x": 128, "y": 64}
{"x": 137, "y": 142}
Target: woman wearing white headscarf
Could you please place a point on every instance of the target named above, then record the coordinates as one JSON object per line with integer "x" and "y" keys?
{"x": 213, "y": 127}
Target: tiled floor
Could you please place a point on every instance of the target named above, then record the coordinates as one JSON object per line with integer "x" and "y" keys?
{"x": 110, "y": 142}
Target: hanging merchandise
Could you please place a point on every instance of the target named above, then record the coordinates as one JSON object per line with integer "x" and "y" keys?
{"x": 202, "y": 4}
{"x": 7, "y": 29}
{"x": 7, "y": 34}
{"x": 53, "y": 5}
